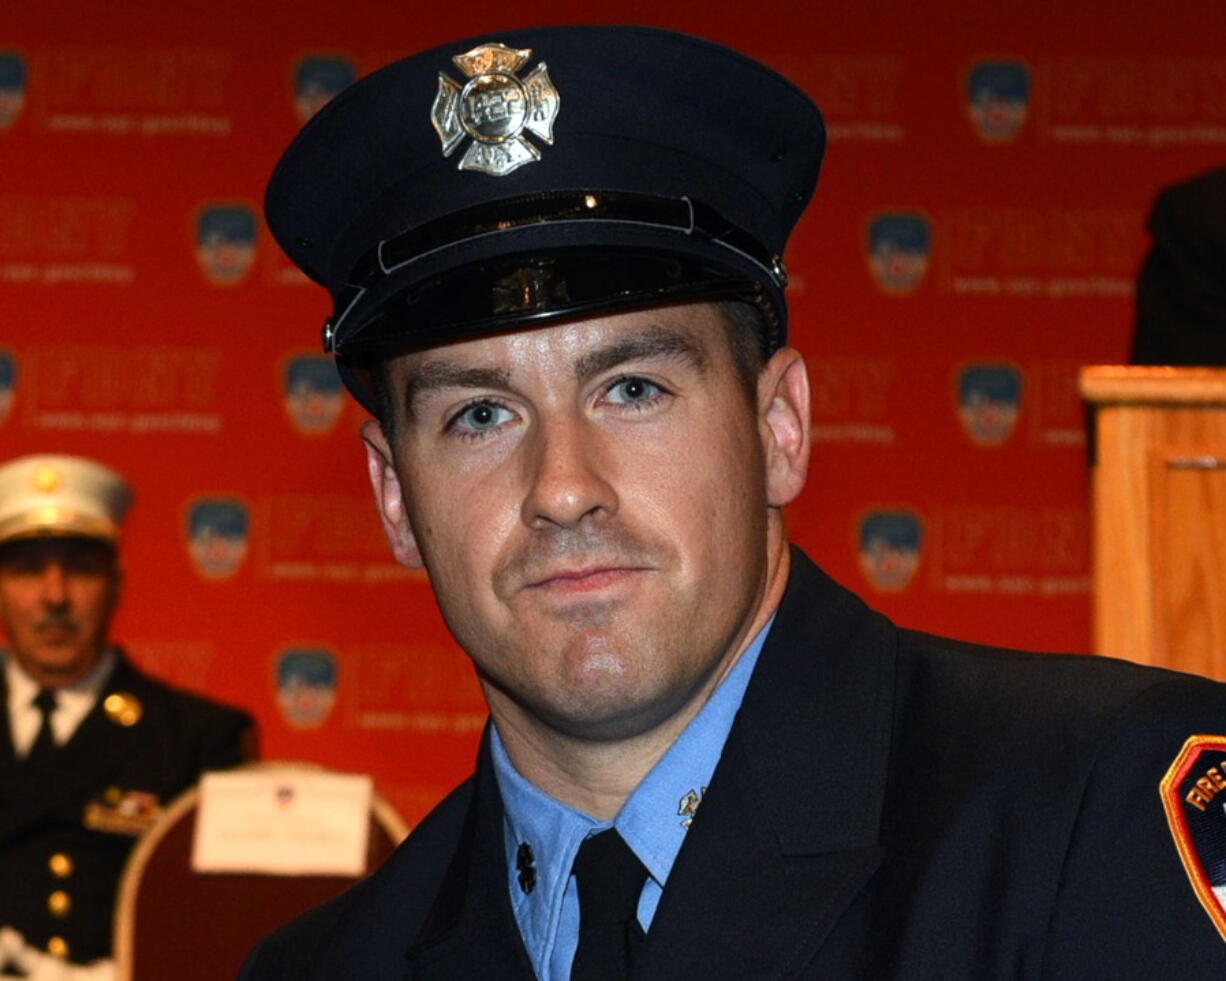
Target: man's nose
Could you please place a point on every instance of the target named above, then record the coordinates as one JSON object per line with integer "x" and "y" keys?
{"x": 569, "y": 476}
{"x": 54, "y": 584}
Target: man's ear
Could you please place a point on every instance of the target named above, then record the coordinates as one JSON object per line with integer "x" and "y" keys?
{"x": 783, "y": 420}
{"x": 388, "y": 496}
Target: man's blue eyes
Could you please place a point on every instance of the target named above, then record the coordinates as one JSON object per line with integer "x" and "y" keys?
{"x": 633, "y": 390}
{"x": 483, "y": 415}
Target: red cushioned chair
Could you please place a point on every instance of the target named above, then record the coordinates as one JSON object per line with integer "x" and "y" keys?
{"x": 172, "y": 922}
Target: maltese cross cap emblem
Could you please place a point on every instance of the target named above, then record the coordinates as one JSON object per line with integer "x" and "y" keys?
{"x": 495, "y": 107}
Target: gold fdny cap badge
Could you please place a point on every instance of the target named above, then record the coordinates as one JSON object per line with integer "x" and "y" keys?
{"x": 123, "y": 708}
{"x": 494, "y": 107}
{"x": 47, "y": 478}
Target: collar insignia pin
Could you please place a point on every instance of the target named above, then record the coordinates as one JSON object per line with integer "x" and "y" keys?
{"x": 123, "y": 708}
{"x": 687, "y": 807}
{"x": 527, "y": 870}
{"x": 495, "y": 107}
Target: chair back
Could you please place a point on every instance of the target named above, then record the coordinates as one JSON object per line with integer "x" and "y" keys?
{"x": 173, "y": 922}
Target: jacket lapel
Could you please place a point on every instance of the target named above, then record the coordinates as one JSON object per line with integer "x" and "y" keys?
{"x": 10, "y": 795}
{"x": 97, "y": 745}
{"x": 787, "y": 833}
{"x": 8, "y": 754}
{"x": 471, "y": 930}
{"x": 98, "y": 748}
{"x": 22, "y": 803}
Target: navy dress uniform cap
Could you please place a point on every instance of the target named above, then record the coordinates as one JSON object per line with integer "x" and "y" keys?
{"x": 649, "y": 166}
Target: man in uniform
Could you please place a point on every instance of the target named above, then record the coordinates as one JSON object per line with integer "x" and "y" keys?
{"x": 90, "y": 746}
{"x": 555, "y": 262}
{"x": 1181, "y": 288}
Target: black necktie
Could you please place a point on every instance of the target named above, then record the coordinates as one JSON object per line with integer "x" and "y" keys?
{"x": 42, "y": 752}
{"x": 610, "y": 879}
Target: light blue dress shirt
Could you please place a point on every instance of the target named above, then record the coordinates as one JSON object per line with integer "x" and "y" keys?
{"x": 653, "y": 822}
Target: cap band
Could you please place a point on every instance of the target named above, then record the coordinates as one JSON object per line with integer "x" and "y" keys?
{"x": 683, "y": 215}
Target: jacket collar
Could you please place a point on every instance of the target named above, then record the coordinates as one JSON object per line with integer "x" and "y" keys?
{"x": 787, "y": 833}
{"x": 816, "y": 722}
{"x": 470, "y": 931}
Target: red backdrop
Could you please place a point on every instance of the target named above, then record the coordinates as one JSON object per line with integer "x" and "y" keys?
{"x": 142, "y": 323}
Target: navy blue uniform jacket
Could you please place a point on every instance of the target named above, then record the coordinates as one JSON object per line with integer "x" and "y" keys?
{"x": 888, "y": 805}
{"x": 48, "y": 813}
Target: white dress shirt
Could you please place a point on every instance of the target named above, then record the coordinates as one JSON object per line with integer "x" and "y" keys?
{"x": 74, "y": 701}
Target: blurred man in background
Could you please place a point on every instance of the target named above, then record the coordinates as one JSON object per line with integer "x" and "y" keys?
{"x": 91, "y": 748}
{"x": 1181, "y": 289}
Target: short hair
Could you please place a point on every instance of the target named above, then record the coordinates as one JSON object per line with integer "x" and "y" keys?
{"x": 746, "y": 330}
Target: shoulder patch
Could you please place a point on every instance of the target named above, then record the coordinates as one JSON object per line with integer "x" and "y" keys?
{"x": 1194, "y": 796}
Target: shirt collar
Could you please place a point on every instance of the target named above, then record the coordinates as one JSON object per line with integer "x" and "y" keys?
{"x": 22, "y": 688}
{"x": 653, "y": 821}
{"x": 656, "y": 816}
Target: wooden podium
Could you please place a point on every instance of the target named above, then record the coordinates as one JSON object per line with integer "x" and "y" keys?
{"x": 1159, "y": 438}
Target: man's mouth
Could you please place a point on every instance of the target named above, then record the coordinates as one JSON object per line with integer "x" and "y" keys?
{"x": 56, "y": 633}
{"x": 585, "y": 579}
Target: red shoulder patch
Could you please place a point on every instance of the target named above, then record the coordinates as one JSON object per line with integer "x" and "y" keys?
{"x": 1194, "y": 796}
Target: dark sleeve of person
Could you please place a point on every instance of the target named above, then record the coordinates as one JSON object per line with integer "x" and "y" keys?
{"x": 1126, "y": 907}
{"x": 1181, "y": 289}
{"x": 179, "y": 736}
{"x": 231, "y": 740}
{"x": 199, "y": 733}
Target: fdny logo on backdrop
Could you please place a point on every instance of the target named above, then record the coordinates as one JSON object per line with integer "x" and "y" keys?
{"x": 998, "y": 95}
{"x": 989, "y": 399}
{"x": 12, "y": 87}
{"x": 313, "y": 396}
{"x": 306, "y": 686}
{"x": 890, "y": 548}
{"x": 8, "y": 383}
{"x": 898, "y": 248}
{"x": 1193, "y": 795}
{"x": 317, "y": 81}
{"x": 225, "y": 242}
{"x": 217, "y": 536}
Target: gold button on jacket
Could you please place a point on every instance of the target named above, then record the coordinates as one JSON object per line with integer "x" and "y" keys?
{"x": 60, "y": 865}
{"x": 59, "y": 903}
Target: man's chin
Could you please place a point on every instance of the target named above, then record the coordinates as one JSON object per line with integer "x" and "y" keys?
{"x": 606, "y": 714}
{"x": 614, "y": 726}
{"x": 602, "y": 715}
{"x": 60, "y": 663}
